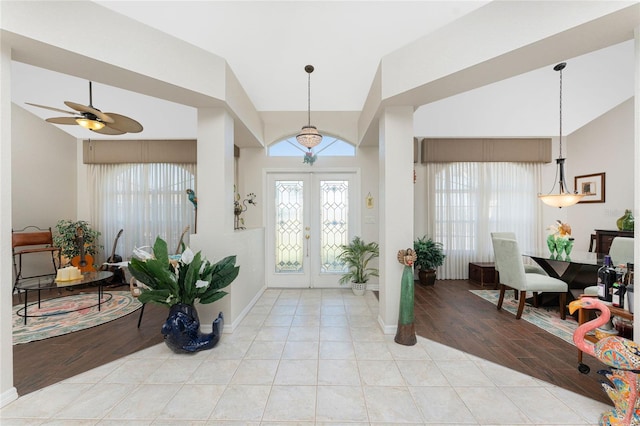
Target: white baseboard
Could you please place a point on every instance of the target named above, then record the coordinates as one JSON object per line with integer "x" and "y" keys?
{"x": 230, "y": 328}
{"x": 8, "y": 396}
{"x": 387, "y": 329}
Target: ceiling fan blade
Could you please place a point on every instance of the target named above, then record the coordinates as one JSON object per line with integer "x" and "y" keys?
{"x": 61, "y": 120}
{"x": 84, "y": 108}
{"x": 107, "y": 130}
{"x": 124, "y": 123}
{"x": 51, "y": 108}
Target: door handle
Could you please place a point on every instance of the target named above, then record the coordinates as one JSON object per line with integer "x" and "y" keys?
{"x": 306, "y": 237}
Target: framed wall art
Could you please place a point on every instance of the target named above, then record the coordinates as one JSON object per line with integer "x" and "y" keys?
{"x": 592, "y": 186}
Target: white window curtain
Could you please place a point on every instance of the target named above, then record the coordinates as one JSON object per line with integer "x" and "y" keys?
{"x": 145, "y": 200}
{"x": 468, "y": 201}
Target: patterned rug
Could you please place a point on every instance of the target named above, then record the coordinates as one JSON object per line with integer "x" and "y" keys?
{"x": 547, "y": 318}
{"x": 53, "y": 324}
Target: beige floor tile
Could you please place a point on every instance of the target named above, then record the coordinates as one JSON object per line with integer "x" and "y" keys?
{"x": 297, "y": 372}
{"x": 338, "y": 373}
{"x": 241, "y": 403}
{"x": 304, "y": 357}
{"x": 291, "y": 403}
{"x": 391, "y": 405}
{"x": 341, "y": 404}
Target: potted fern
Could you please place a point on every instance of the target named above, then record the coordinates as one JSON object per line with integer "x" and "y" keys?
{"x": 430, "y": 255}
{"x": 356, "y": 256}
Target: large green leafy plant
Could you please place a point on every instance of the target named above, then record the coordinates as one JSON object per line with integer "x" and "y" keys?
{"x": 66, "y": 234}
{"x": 430, "y": 253}
{"x": 356, "y": 256}
{"x": 185, "y": 280}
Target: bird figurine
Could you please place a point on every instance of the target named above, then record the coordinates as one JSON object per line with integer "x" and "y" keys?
{"x": 192, "y": 198}
{"x": 622, "y": 355}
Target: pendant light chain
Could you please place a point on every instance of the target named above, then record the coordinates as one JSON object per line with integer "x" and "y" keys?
{"x": 561, "y": 112}
{"x": 309, "y": 99}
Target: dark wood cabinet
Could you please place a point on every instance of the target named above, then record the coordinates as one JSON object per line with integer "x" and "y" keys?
{"x": 482, "y": 273}
{"x": 604, "y": 238}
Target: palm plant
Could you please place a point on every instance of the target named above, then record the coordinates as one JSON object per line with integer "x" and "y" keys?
{"x": 356, "y": 256}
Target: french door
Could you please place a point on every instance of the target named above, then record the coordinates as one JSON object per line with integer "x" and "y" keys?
{"x": 309, "y": 216}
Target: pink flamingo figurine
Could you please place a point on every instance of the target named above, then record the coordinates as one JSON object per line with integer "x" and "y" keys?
{"x": 622, "y": 355}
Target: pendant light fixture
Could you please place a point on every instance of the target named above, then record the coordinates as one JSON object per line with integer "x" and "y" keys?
{"x": 309, "y": 136}
{"x": 562, "y": 198}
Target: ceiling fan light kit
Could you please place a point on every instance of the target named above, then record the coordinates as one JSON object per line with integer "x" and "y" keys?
{"x": 93, "y": 119}
{"x": 90, "y": 124}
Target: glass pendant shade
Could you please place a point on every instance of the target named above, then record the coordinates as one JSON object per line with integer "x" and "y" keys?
{"x": 309, "y": 137}
{"x": 560, "y": 200}
{"x": 90, "y": 124}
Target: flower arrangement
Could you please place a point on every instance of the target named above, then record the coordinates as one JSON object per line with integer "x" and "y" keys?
{"x": 187, "y": 279}
{"x": 559, "y": 230}
{"x": 559, "y": 238}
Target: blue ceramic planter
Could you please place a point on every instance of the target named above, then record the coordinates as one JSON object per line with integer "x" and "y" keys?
{"x": 182, "y": 333}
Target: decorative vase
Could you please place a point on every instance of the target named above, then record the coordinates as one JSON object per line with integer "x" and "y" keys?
{"x": 568, "y": 246}
{"x": 628, "y": 222}
{"x": 625, "y": 222}
{"x": 182, "y": 333}
{"x": 551, "y": 243}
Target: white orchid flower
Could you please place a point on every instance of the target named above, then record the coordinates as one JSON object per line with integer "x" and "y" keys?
{"x": 202, "y": 284}
{"x": 187, "y": 256}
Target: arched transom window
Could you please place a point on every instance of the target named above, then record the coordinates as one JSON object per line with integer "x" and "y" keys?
{"x": 329, "y": 147}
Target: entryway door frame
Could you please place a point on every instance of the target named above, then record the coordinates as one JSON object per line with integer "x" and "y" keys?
{"x": 311, "y": 275}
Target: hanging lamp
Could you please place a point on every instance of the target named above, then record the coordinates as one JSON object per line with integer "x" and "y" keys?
{"x": 563, "y": 198}
{"x": 309, "y": 136}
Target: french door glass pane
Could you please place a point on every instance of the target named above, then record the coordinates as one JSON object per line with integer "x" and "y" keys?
{"x": 334, "y": 211}
{"x": 289, "y": 220}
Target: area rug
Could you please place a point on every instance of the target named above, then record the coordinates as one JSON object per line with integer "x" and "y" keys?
{"x": 547, "y": 319}
{"x": 51, "y": 325}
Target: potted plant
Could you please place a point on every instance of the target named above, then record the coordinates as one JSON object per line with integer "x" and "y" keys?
{"x": 66, "y": 237}
{"x": 178, "y": 282}
{"x": 356, "y": 256}
{"x": 430, "y": 255}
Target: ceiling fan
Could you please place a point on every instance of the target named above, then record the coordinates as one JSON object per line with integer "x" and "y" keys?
{"x": 93, "y": 119}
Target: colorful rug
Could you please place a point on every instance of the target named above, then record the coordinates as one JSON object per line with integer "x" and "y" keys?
{"x": 120, "y": 304}
{"x": 547, "y": 318}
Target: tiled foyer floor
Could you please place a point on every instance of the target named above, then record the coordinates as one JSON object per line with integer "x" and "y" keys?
{"x": 304, "y": 357}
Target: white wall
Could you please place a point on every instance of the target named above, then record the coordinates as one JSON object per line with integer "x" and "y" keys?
{"x": 253, "y": 163}
{"x": 604, "y": 145}
{"x": 43, "y": 174}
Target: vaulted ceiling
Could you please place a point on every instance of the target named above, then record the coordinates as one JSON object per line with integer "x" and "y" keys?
{"x": 268, "y": 43}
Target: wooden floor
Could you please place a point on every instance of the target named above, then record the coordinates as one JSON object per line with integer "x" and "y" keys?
{"x": 45, "y": 362}
{"x": 447, "y": 313}
{"x": 450, "y": 314}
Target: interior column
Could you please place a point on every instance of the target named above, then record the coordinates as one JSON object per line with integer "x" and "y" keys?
{"x": 396, "y": 206}
{"x": 636, "y": 172}
{"x": 215, "y": 172}
{"x": 215, "y": 197}
{"x": 7, "y": 391}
